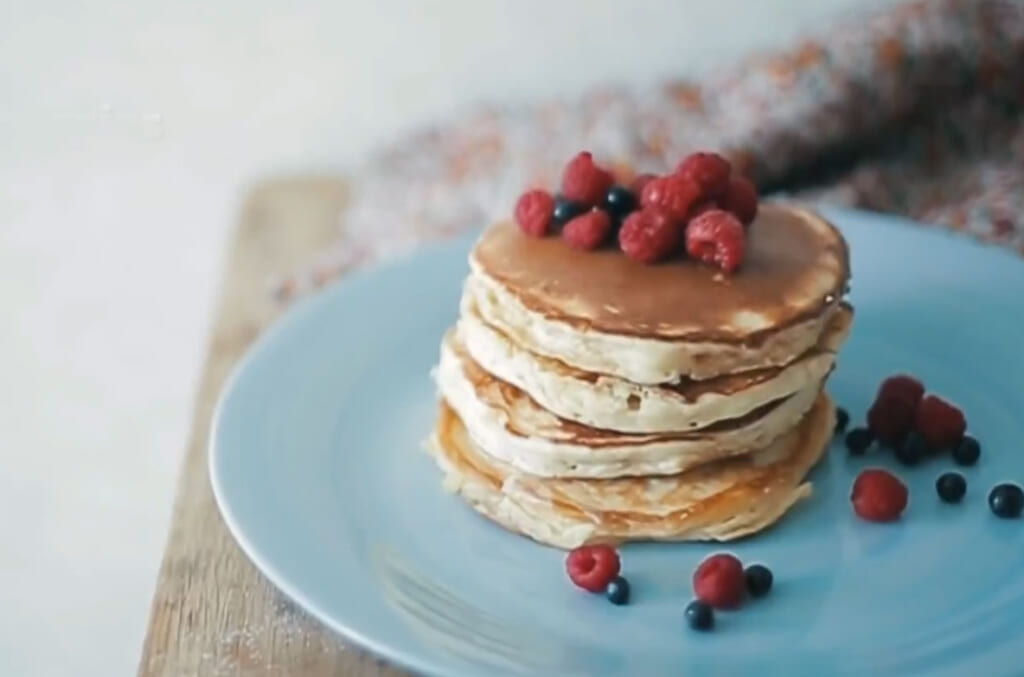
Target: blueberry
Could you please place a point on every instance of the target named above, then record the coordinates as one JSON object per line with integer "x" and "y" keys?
{"x": 699, "y": 615}
{"x": 1006, "y": 500}
{"x": 618, "y": 591}
{"x": 912, "y": 451}
{"x": 566, "y": 210}
{"x": 951, "y": 487}
{"x": 759, "y": 579}
{"x": 858, "y": 440}
{"x": 842, "y": 419}
{"x": 619, "y": 202}
{"x": 967, "y": 451}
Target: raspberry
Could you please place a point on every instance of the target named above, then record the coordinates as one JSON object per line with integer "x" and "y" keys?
{"x": 673, "y": 193}
{"x": 719, "y": 581}
{"x": 649, "y": 235}
{"x": 710, "y": 171}
{"x": 890, "y": 418}
{"x": 637, "y": 186}
{"x": 592, "y": 567}
{"x": 940, "y": 423}
{"x": 901, "y": 385}
{"x": 741, "y": 199}
{"x": 588, "y": 231}
{"x": 533, "y": 212}
{"x": 878, "y": 495}
{"x": 585, "y": 182}
{"x": 717, "y": 237}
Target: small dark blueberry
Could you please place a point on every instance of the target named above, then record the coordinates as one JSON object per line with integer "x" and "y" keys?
{"x": 699, "y": 615}
{"x": 759, "y": 580}
{"x": 951, "y": 487}
{"x": 1006, "y": 500}
{"x": 566, "y": 210}
{"x": 967, "y": 451}
{"x": 912, "y": 451}
{"x": 842, "y": 419}
{"x": 620, "y": 202}
{"x": 858, "y": 440}
{"x": 618, "y": 591}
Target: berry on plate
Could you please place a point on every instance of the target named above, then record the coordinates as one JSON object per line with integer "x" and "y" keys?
{"x": 588, "y": 231}
{"x": 740, "y": 198}
{"x": 710, "y": 171}
{"x": 759, "y": 580}
{"x": 890, "y": 418}
{"x": 699, "y": 615}
{"x": 878, "y": 495}
{"x": 1006, "y": 500}
{"x": 912, "y": 450}
{"x": 719, "y": 581}
{"x": 649, "y": 235}
{"x": 673, "y": 193}
{"x": 592, "y": 567}
{"x": 951, "y": 487}
{"x": 717, "y": 237}
{"x": 967, "y": 451}
{"x": 858, "y": 440}
{"x": 903, "y": 386}
{"x": 583, "y": 181}
{"x": 618, "y": 591}
{"x": 940, "y": 423}
{"x": 842, "y": 419}
{"x": 533, "y": 212}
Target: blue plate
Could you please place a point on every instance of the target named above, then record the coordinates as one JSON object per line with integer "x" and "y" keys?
{"x": 317, "y": 466}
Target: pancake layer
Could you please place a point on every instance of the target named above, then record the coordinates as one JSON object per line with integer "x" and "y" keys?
{"x": 720, "y": 501}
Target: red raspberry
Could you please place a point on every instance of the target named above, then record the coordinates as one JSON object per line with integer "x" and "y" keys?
{"x": 878, "y": 495}
{"x": 940, "y": 423}
{"x": 588, "y": 231}
{"x": 592, "y": 567}
{"x": 673, "y": 193}
{"x": 903, "y": 386}
{"x": 649, "y": 235}
{"x": 719, "y": 581}
{"x": 585, "y": 182}
{"x": 710, "y": 171}
{"x": 640, "y": 181}
{"x": 741, "y": 199}
{"x": 890, "y": 418}
{"x": 717, "y": 237}
{"x": 533, "y": 212}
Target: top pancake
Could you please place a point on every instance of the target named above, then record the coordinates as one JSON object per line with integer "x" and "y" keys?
{"x": 796, "y": 266}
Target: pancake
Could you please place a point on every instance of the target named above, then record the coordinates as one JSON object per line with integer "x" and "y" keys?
{"x": 512, "y": 427}
{"x": 613, "y": 403}
{"x": 601, "y": 312}
{"x": 721, "y": 501}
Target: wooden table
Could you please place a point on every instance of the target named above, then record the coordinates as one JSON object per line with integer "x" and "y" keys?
{"x": 213, "y": 613}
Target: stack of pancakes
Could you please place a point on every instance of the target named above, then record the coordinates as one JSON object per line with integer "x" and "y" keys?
{"x": 590, "y": 398}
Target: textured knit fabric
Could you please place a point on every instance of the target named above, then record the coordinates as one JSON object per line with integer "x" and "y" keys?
{"x": 918, "y": 111}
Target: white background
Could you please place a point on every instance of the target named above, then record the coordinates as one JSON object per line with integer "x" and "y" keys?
{"x": 127, "y": 132}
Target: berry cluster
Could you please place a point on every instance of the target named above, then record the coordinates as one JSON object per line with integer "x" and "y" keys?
{"x": 719, "y": 582}
{"x": 700, "y": 208}
{"x": 915, "y": 425}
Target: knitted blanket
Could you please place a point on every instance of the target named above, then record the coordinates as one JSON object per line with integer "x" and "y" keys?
{"x": 918, "y": 110}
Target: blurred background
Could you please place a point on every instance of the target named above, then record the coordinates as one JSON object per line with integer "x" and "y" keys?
{"x": 129, "y": 132}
